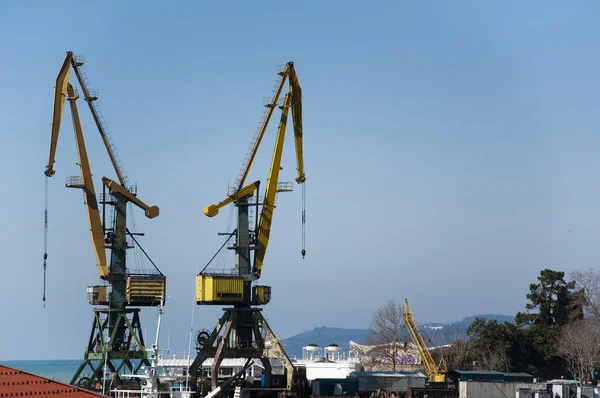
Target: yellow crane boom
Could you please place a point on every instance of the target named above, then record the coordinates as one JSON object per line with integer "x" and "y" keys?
{"x": 60, "y": 93}
{"x": 89, "y": 194}
{"x": 296, "y": 95}
{"x": 61, "y": 88}
{"x": 266, "y": 214}
{"x": 293, "y": 101}
{"x": 436, "y": 372}
{"x": 150, "y": 211}
{"x": 213, "y": 210}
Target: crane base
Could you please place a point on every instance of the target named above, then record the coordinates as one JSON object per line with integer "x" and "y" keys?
{"x": 124, "y": 351}
{"x": 239, "y": 334}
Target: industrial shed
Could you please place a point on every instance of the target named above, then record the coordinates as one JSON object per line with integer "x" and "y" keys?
{"x": 388, "y": 381}
{"x": 490, "y": 384}
{"x": 518, "y": 377}
{"x": 455, "y": 376}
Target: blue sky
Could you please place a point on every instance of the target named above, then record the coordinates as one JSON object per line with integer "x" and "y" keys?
{"x": 449, "y": 150}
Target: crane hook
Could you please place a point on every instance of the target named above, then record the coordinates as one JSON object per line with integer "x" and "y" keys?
{"x": 303, "y": 253}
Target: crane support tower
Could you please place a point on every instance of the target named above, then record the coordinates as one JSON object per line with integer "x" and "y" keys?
{"x": 242, "y": 331}
{"x": 436, "y": 372}
{"x": 116, "y": 339}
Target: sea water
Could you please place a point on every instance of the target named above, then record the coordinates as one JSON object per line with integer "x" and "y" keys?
{"x": 59, "y": 370}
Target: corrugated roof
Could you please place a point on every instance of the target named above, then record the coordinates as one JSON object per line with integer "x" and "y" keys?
{"x": 478, "y": 372}
{"x": 521, "y": 374}
{"x": 14, "y": 382}
{"x": 387, "y": 374}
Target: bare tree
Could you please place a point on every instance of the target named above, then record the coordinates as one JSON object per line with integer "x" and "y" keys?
{"x": 447, "y": 335}
{"x": 494, "y": 358}
{"x": 588, "y": 281}
{"x": 387, "y": 332}
{"x": 579, "y": 345}
{"x": 435, "y": 337}
{"x": 458, "y": 355}
{"x": 372, "y": 363}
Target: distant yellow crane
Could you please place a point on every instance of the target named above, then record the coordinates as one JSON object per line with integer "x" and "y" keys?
{"x": 436, "y": 372}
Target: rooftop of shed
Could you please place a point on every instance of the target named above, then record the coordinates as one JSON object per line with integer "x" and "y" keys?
{"x": 477, "y": 372}
{"x": 387, "y": 374}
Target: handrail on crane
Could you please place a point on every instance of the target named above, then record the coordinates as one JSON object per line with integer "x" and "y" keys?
{"x": 436, "y": 372}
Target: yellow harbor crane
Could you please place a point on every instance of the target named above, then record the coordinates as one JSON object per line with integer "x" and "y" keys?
{"x": 436, "y": 372}
{"x": 124, "y": 342}
{"x": 241, "y": 325}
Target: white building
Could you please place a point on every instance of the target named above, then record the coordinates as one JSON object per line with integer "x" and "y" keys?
{"x": 379, "y": 358}
{"x": 328, "y": 362}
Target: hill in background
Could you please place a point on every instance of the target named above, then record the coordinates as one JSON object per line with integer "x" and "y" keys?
{"x": 322, "y": 336}
{"x": 434, "y": 334}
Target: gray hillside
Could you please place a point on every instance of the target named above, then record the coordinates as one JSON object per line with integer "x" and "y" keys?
{"x": 323, "y": 336}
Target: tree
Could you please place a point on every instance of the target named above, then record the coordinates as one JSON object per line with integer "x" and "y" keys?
{"x": 553, "y": 303}
{"x": 530, "y": 344}
{"x": 588, "y": 281}
{"x": 554, "y": 300}
{"x": 579, "y": 345}
{"x": 387, "y": 332}
{"x": 458, "y": 355}
{"x": 491, "y": 342}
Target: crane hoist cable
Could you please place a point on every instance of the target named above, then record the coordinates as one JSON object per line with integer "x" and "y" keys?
{"x": 142, "y": 249}
{"x": 221, "y": 260}
{"x": 303, "y": 220}
{"x": 139, "y": 259}
{"x": 45, "y": 238}
{"x": 218, "y": 251}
